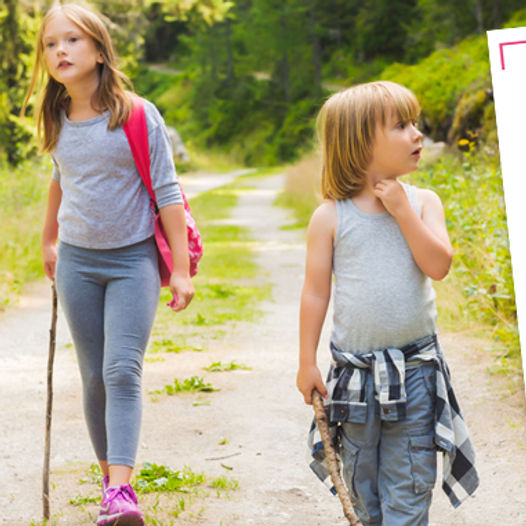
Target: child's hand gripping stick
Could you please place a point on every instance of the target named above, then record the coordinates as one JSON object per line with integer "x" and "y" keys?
{"x": 332, "y": 459}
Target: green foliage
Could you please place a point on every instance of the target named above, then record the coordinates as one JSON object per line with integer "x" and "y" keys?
{"x": 159, "y": 478}
{"x": 17, "y": 32}
{"x": 224, "y": 482}
{"x": 217, "y": 367}
{"x": 22, "y": 197}
{"x": 188, "y": 385}
{"x": 439, "y": 81}
{"x": 169, "y": 345}
{"x": 81, "y": 500}
{"x": 518, "y": 19}
{"x": 471, "y": 191}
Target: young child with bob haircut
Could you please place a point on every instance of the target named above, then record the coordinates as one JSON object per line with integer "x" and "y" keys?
{"x": 388, "y": 394}
{"x": 105, "y": 266}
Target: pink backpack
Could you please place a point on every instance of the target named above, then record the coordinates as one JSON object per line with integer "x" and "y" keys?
{"x": 137, "y": 133}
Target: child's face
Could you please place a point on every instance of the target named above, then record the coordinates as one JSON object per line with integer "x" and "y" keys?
{"x": 396, "y": 149}
{"x": 70, "y": 54}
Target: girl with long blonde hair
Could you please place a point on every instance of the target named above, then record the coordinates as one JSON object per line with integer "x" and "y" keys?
{"x": 105, "y": 264}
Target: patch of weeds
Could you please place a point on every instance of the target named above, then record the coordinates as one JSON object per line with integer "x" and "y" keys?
{"x": 218, "y": 290}
{"x": 198, "y": 403}
{"x": 81, "y": 500}
{"x": 152, "y": 521}
{"x": 240, "y": 305}
{"x": 94, "y": 475}
{"x": 188, "y": 385}
{"x": 152, "y": 359}
{"x": 216, "y": 367}
{"x": 224, "y": 482}
{"x": 168, "y": 345}
{"x": 159, "y": 478}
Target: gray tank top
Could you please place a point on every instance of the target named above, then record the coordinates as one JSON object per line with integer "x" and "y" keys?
{"x": 381, "y": 297}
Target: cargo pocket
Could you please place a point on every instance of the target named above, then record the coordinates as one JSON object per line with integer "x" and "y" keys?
{"x": 349, "y": 456}
{"x": 422, "y": 451}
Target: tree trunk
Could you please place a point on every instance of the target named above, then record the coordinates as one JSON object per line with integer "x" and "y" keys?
{"x": 230, "y": 61}
{"x": 479, "y": 15}
{"x": 316, "y": 50}
{"x": 284, "y": 64}
{"x": 497, "y": 13}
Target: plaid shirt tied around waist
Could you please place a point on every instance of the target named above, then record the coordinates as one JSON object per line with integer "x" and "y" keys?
{"x": 347, "y": 403}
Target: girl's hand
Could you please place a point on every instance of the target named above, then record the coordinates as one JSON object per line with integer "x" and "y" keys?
{"x": 392, "y": 195}
{"x": 182, "y": 290}
{"x": 49, "y": 259}
{"x": 309, "y": 378}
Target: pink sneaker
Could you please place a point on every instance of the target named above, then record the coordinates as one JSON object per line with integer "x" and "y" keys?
{"x": 119, "y": 507}
{"x": 105, "y": 484}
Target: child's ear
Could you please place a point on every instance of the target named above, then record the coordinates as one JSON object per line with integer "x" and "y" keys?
{"x": 100, "y": 59}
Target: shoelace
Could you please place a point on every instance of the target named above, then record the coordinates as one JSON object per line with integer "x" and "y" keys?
{"x": 126, "y": 491}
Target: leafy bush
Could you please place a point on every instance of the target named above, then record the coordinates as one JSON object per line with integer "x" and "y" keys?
{"x": 439, "y": 81}
{"x": 22, "y": 202}
{"x": 472, "y": 194}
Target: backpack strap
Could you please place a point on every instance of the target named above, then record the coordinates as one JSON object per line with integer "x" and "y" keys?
{"x": 136, "y": 132}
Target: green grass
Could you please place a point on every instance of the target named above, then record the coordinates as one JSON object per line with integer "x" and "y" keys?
{"x": 81, "y": 500}
{"x": 225, "y": 483}
{"x": 23, "y": 191}
{"x": 479, "y": 291}
{"x": 188, "y": 385}
{"x": 158, "y": 478}
{"x": 169, "y": 345}
{"x": 216, "y": 367}
{"x": 228, "y": 286}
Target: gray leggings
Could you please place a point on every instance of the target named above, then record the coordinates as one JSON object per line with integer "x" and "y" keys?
{"x": 109, "y": 298}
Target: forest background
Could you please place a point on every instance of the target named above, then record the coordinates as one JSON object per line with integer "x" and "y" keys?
{"x": 242, "y": 81}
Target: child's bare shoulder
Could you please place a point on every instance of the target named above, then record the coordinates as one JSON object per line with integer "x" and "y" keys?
{"x": 326, "y": 212}
{"x": 428, "y": 199}
{"x": 324, "y": 218}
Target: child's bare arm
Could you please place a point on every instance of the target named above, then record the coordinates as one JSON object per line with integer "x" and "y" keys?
{"x": 426, "y": 235}
{"x": 181, "y": 285}
{"x": 315, "y": 297}
{"x": 50, "y": 229}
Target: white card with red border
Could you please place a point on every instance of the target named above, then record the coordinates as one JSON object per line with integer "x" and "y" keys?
{"x": 507, "y": 52}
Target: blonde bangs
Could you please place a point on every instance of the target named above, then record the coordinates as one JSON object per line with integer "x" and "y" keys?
{"x": 398, "y": 101}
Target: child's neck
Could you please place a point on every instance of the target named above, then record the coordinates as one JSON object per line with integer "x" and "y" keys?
{"x": 80, "y": 107}
{"x": 367, "y": 202}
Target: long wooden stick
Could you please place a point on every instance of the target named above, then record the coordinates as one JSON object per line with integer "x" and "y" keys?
{"x": 49, "y": 404}
{"x": 332, "y": 459}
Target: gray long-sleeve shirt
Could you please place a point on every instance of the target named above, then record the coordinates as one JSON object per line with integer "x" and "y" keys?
{"x": 104, "y": 201}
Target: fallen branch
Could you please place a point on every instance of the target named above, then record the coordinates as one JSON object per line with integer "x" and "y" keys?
{"x": 332, "y": 459}
{"x": 223, "y": 457}
{"x": 49, "y": 404}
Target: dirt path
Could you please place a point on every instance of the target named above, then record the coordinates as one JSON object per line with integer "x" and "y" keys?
{"x": 258, "y": 413}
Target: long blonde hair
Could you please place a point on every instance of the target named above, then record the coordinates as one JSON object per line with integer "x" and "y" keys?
{"x": 110, "y": 94}
{"x": 347, "y": 125}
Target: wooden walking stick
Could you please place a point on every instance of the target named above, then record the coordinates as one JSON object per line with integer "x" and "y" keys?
{"x": 49, "y": 403}
{"x": 332, "y": 459}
